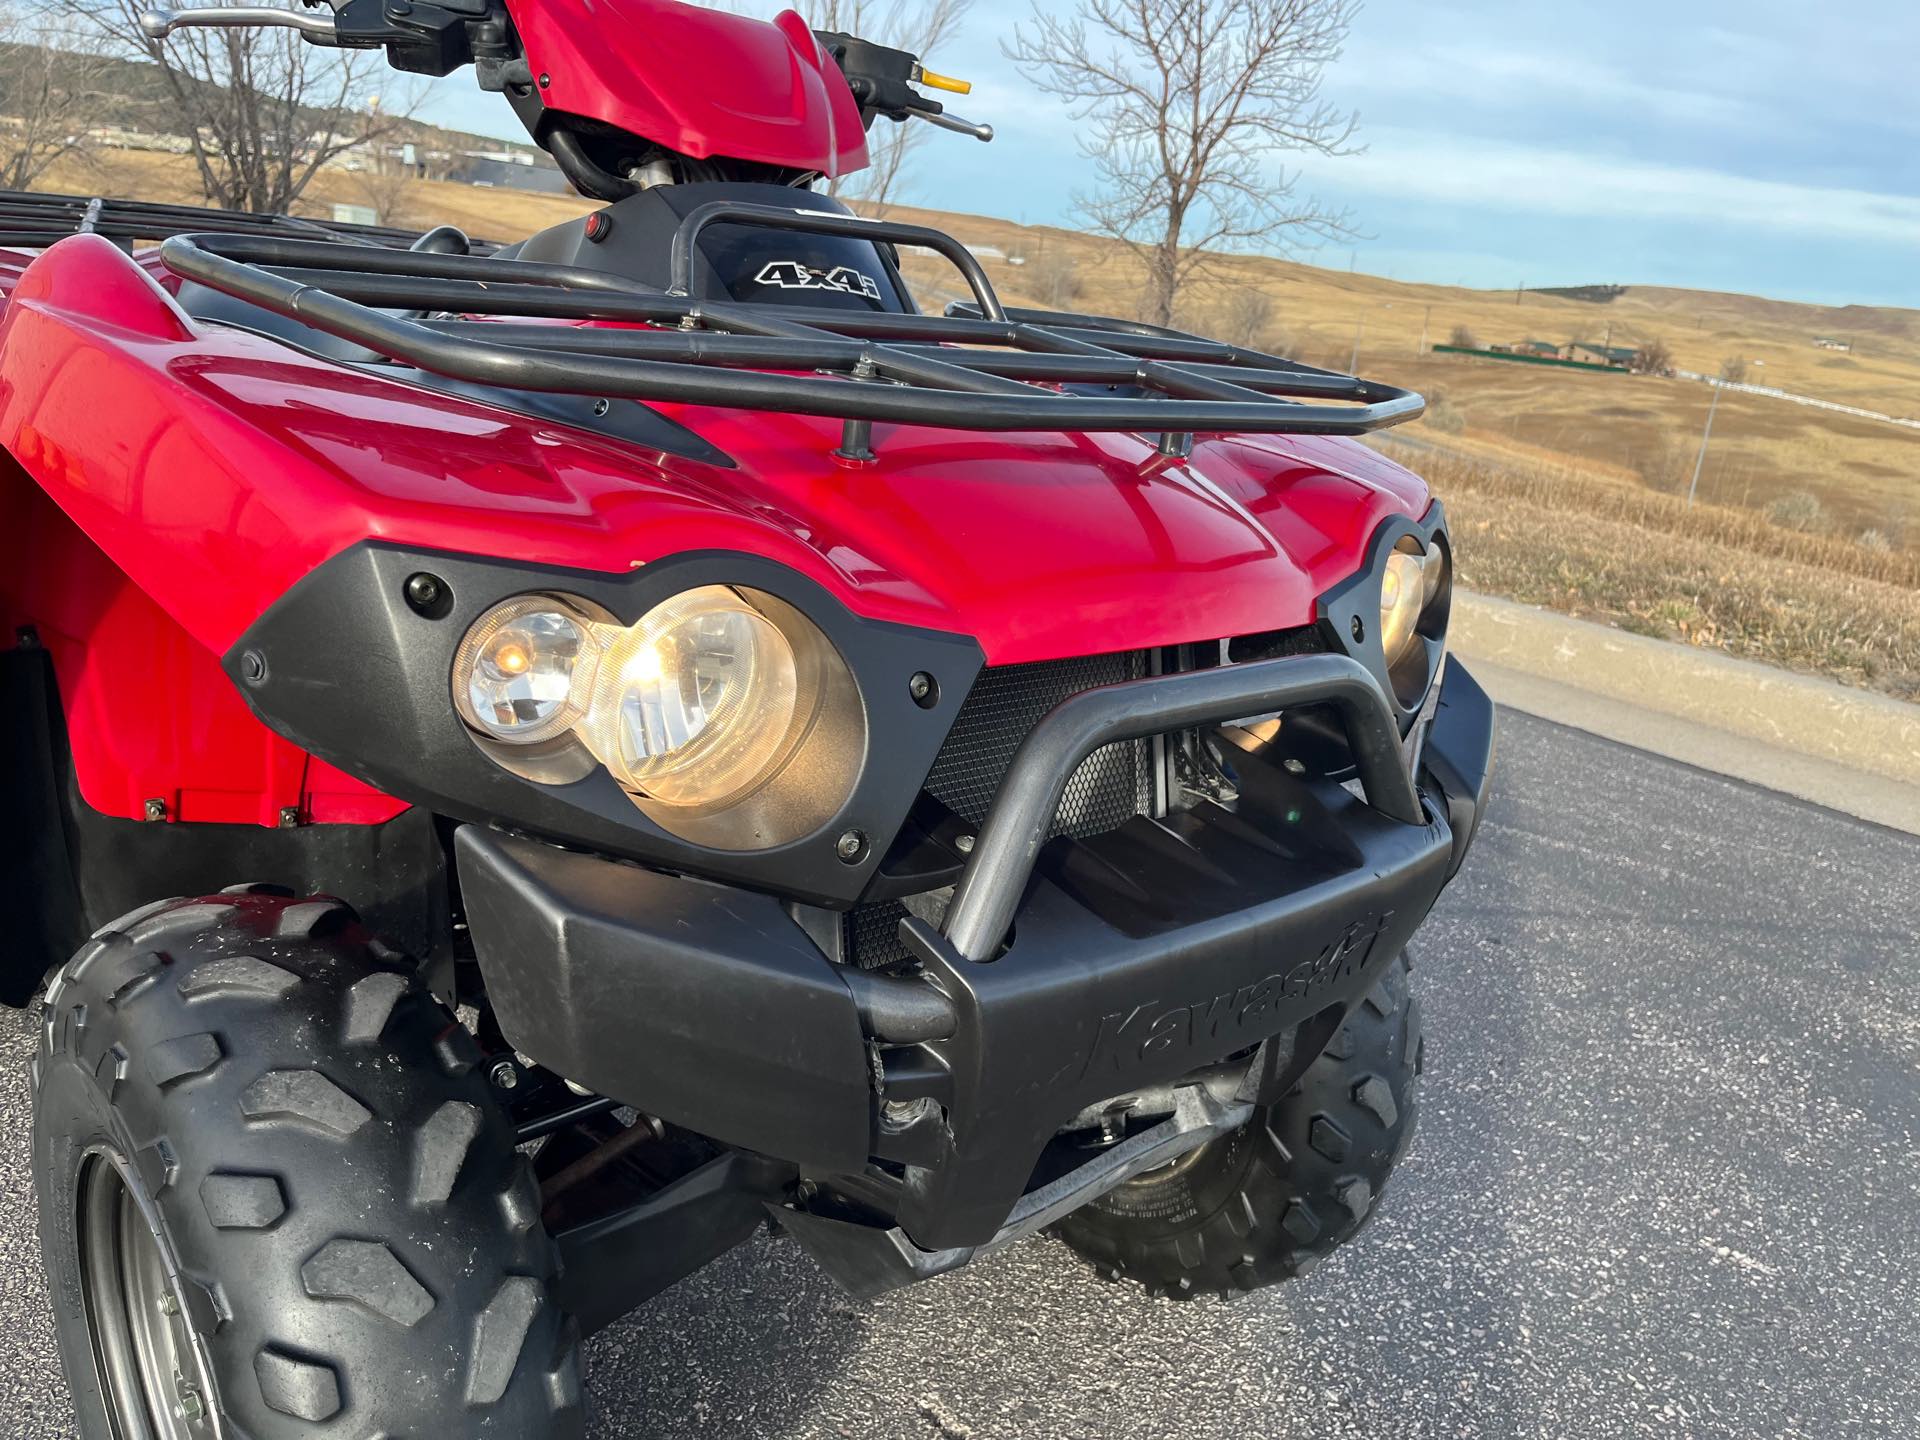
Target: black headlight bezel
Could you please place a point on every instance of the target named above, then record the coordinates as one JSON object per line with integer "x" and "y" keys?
{"x": 352, "y": 668}
{"x": 1349, "y": 613}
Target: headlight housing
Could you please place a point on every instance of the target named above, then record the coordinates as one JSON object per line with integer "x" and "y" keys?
{"x": 697, "y": 709}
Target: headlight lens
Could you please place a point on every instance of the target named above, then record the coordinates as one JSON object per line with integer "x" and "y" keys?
{"x": 1403, "y": 595}
{"x": 696, "y": 704}
{"x": 523, "y": 671}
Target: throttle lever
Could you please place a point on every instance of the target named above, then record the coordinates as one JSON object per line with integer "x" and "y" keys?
{"x": 158, "y": 24}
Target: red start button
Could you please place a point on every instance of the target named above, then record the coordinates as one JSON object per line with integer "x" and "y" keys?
{"x": 599, "y": 226}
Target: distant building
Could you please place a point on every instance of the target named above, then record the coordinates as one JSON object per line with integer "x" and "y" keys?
{"x": 1620, "y": 357}
{"x": 1546, "y": 349}
{"x": 508, "y": 168}
{"x": 1824, "y": 343}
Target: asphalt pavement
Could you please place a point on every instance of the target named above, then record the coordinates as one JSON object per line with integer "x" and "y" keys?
{"x": 1667, "y": 1182}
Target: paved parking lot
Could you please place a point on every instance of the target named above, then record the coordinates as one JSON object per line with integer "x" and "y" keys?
{"x": 1667, "y": 1183}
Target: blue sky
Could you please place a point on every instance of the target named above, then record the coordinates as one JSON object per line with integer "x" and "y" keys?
{"x": 1745, "y": 145}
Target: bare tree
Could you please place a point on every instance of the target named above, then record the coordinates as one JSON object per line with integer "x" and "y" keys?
{"x": 1733, "y": 370}
{"x": 1462, "y": 339}
{"x": 1187, "y": 102}
{"x": 50, "y": 88}
{"x": 260, "y": 109}
{"x": 1652, "y": 358}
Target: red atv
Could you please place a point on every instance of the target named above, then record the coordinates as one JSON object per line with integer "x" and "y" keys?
{"x": 721, "y": 746}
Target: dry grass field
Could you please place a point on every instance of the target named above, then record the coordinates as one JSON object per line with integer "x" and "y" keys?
{"x": 1566, "y": 487}
{"x": 1865, "y": 474}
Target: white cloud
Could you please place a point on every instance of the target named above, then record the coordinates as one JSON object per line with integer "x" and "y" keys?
{"x": 1532, "y": 80}
{"x": 1493, "y": 177}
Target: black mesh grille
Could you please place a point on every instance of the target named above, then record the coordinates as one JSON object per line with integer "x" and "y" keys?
{"x": 1007, "y": 701}
{"x": 872, "y": 934}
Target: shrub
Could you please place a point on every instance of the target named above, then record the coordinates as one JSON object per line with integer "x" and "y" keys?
{"x": 1445, "y": 416}
{"x": 1797, "y": 510}
{"x": 1053, "y": 279}
{"x": 1733, "y": 370}
{"x": 1462, "y": 337}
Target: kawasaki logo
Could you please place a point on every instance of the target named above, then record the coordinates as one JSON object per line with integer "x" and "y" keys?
{"x": 792, "y": 275}
{"x": 1232, "y": 1018}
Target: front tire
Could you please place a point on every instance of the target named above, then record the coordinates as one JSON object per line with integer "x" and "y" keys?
{"x": 251, "y": 1118}
{"x": 1301, "y": 1178}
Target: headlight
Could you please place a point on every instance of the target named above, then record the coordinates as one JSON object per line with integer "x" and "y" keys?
{"x": 695, "y": 704}
{"x": 697, "y": 709}
{"x": 1414, "y": 578}
{"x": 524, "y": 670}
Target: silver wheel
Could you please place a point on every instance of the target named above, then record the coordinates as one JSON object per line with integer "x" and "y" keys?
{"x": 149, "y": 1367}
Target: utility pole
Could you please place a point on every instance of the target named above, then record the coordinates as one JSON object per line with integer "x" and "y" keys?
{"x": 1353, "y": 365}
{"x": 1426, "y": 321}
{"x": 1700, "y": 460}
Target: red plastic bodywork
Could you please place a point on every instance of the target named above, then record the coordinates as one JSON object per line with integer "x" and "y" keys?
{"x": 649, "y": 67}
{"x": 208, "y": 470}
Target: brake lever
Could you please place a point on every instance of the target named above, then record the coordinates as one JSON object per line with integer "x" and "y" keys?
{"x": 947, "y": 120}
{"x": 158, "y": 24}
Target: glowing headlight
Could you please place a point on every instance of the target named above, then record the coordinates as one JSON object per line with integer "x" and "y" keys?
{"x": 696, "y": 705}
{"x": 524, "y": 670}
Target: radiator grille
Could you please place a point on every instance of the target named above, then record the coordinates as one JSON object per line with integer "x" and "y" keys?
{"x": 1007, "y": 701}
{"x": 1111, "y": 786}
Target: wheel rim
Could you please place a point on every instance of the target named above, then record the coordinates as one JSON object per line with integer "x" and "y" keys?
{"x": 150, "y": 1374}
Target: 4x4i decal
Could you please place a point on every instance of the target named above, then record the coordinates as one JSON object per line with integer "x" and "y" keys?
{"x": 794, "y": 275}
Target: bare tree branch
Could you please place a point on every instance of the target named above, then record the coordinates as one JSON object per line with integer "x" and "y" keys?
{"x": 50, "y": 88}
{"x": 1186, "y": 104}
{"x": 260, "y": 109}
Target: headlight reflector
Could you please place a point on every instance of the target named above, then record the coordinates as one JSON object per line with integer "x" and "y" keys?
{"x": 696, "y": 704}
{"x": 523, "y": 671}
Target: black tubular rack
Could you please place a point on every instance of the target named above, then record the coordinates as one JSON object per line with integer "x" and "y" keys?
{"x": 29, "y": 219}
{"x": 981, "y": 366}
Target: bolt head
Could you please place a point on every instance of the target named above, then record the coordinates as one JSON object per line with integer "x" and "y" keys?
{"x": 505, "y": 1075}
{"x": 190, "y": 1406}
{"x": 964, "y": 844}
{"x": 155, "y": 810}
{"x": 169, "y": 1305}
{"x": 924, "y": 689}
{"x": 851, "y": 846}
{"x": 428, "y": 595}
{"x": 1294, "y": 766}
{"x": 1359, "y": 630}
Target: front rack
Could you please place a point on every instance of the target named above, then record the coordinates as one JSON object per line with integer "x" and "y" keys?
{"x": 979, "y": 367}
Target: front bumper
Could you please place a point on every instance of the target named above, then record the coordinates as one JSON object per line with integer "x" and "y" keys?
{"x": 1063, "y": 974}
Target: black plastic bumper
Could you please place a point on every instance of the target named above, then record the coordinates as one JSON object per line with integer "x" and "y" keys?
{"x": 1134, "y": 958}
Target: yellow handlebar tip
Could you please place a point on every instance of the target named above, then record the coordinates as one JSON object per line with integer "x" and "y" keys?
{"x": 933, "y": 80}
